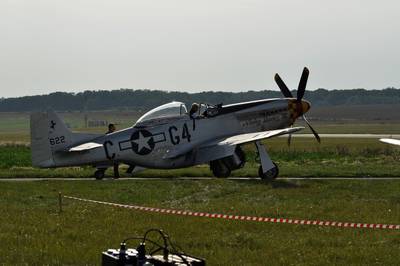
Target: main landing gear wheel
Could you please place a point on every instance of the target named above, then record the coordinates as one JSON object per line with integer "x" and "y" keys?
{"x": 219, "y": 169}
{"x": 270, "y": 174}
{"x": 99, "y": 174}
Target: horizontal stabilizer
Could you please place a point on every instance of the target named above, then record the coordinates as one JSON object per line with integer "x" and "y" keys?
{"x": 391, "y": 141}
{"x": 85, "y": 147}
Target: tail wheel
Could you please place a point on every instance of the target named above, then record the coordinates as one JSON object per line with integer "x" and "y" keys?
{"x": 270, "y": 174}
{"x": 99, "y": 174}
{"x": 219, "y": 169}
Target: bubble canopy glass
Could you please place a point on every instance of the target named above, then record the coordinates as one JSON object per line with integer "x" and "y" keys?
{"x": 165, "y": 110}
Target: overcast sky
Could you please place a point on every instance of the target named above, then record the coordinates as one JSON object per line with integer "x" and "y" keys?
{"x": 50, "y": 45}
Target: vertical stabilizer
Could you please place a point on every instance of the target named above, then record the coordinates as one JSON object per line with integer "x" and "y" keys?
{"x": 48, "y": 135}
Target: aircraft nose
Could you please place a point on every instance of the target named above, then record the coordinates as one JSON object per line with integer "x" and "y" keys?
{"x": 297, "y": 109}
{"x": 305, "y": 106}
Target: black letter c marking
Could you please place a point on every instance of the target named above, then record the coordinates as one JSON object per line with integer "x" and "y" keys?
{"x": 108, "y": 142}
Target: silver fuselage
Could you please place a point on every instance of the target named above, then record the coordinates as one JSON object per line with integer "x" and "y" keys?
{"x": 147, "y": 143}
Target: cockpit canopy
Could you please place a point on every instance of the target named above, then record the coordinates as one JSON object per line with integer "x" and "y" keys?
{"x": 172, "y": 109}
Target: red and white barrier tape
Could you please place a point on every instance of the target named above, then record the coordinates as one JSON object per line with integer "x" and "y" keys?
{"x": 244, "y": 218}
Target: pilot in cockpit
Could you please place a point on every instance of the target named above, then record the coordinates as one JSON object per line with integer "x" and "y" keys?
{"x": 193, "y": 113}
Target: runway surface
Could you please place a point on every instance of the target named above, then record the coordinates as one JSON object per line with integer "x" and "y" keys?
{"x": 192, "y": 178}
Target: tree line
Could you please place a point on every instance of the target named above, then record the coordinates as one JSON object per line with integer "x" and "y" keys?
{"x": 128, "y": 99}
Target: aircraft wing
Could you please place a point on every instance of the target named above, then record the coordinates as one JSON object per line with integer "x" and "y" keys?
{"x": 85, "y": 147}
{"x": 391, "y": 141}
{"x": 250, "y": 137}
{"x": 232, "y": 141}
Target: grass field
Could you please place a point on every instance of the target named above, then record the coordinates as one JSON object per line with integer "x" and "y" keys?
{"x": 34, "y": 233}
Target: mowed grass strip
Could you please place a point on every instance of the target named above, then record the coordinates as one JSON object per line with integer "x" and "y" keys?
{"x": 34, "y": 233}
{"x": 14, "y": 156}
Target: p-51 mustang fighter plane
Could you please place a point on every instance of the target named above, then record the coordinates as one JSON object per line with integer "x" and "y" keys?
{"x": 170, "y": 137}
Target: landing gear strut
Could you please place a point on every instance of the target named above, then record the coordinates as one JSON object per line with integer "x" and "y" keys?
{"x": 268, "y": 169}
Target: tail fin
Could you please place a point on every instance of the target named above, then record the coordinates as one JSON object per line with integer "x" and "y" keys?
{"x": 48, "y": 135}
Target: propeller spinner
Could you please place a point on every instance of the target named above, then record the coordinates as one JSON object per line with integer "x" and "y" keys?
{"x": 302, "y": 106}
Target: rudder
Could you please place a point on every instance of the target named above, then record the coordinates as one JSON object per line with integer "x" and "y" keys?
{"x": 48, "y": 134}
